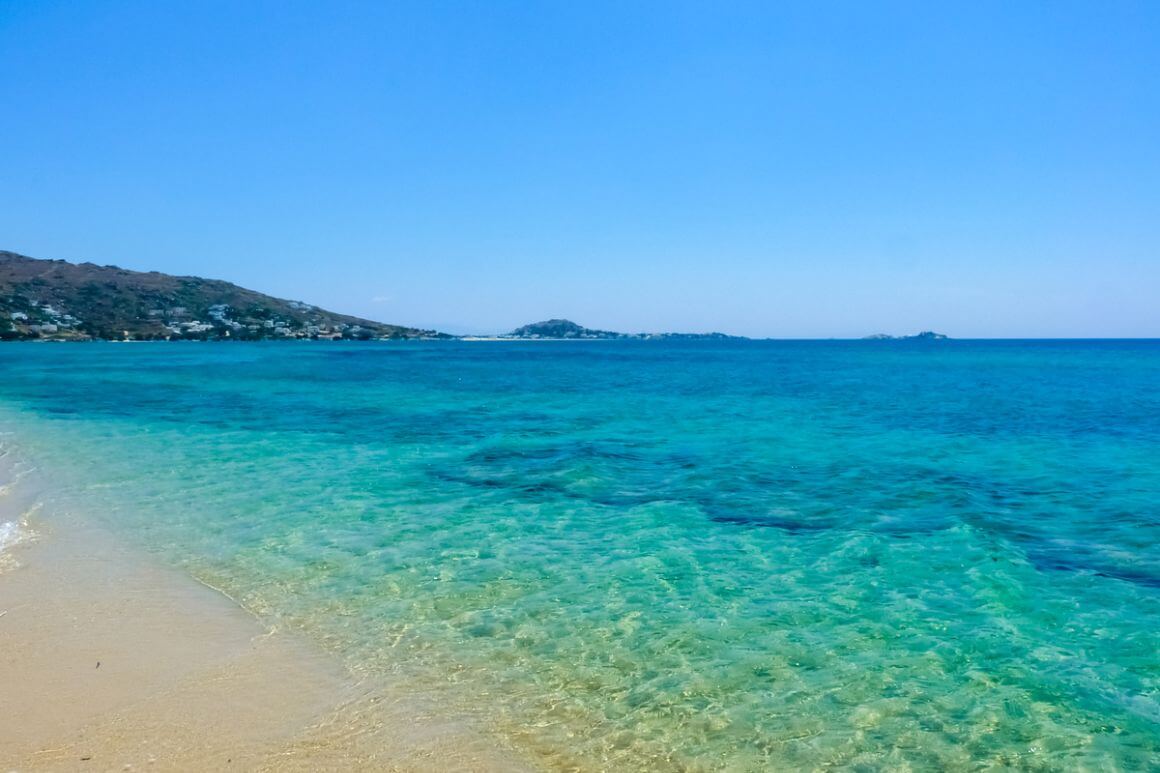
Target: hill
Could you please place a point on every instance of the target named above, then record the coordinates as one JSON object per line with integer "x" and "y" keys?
{"x": 58, "y": 300}
{"x": 925, "y": 335}
{"x": 559, "y": 328}
{"x": 568, "y": 330}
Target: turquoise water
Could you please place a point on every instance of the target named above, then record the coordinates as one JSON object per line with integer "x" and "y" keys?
{"x": 644, "y": 555}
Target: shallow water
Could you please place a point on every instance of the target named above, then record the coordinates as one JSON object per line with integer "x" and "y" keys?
{"x": 649, "y": 555}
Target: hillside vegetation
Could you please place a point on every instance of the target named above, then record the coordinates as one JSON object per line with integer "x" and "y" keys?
{"x": 58, "y": 300}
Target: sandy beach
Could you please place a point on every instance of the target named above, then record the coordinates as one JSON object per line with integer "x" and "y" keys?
{"x": 109, "y": 661}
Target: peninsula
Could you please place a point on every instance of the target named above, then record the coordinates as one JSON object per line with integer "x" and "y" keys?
{"x": 566, "y": 330}
{"x": 925, "y": 335}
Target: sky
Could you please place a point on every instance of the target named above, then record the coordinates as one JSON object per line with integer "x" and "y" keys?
{"x": 787, "y": 170}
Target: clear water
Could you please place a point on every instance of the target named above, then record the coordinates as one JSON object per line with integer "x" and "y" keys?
{"x": 644, "y": 555}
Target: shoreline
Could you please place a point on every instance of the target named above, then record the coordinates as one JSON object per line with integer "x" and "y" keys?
{"x": 111, "y": 661}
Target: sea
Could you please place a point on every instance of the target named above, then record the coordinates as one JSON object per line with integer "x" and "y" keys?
{"x": 658, "y": 555}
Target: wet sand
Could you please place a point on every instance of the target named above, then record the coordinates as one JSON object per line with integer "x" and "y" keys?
{"x": 109, "y": 661}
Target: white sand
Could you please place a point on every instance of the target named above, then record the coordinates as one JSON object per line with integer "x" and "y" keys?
{"x": 109, "y": 661}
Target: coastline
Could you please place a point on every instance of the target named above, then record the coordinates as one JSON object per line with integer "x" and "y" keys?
{"x": 111, "y": 661}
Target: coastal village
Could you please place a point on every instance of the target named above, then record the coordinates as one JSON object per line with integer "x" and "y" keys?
{"x": 44, "y": 321}
{"x": 54, "y": 300}
{"x": 179, "y": 324}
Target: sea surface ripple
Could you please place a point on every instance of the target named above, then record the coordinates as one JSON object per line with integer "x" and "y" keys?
{"x": 650, "y": 555}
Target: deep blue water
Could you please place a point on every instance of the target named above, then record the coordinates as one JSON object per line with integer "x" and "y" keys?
{"x": 659, "y": 555}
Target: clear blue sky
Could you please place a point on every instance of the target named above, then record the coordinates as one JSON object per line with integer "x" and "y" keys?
{"x": 788, "y": 170}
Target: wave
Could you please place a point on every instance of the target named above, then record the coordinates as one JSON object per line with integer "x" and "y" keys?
{"x": 11, "y": 532}
{"x": 14, "y": 514}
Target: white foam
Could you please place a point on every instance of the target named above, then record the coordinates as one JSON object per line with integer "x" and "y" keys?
{"x": 13, "y": 530}
{"x": 17, "y": 530}
{"x": 11, "y": 533}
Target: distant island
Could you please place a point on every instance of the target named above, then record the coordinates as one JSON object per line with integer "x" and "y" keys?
{"x": 925, "y": 335}
{"x": 61, "y": 301}
{"x": 567, "y": 330}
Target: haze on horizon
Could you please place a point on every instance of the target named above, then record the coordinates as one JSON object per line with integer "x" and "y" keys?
{"x": 835, "y": 170}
